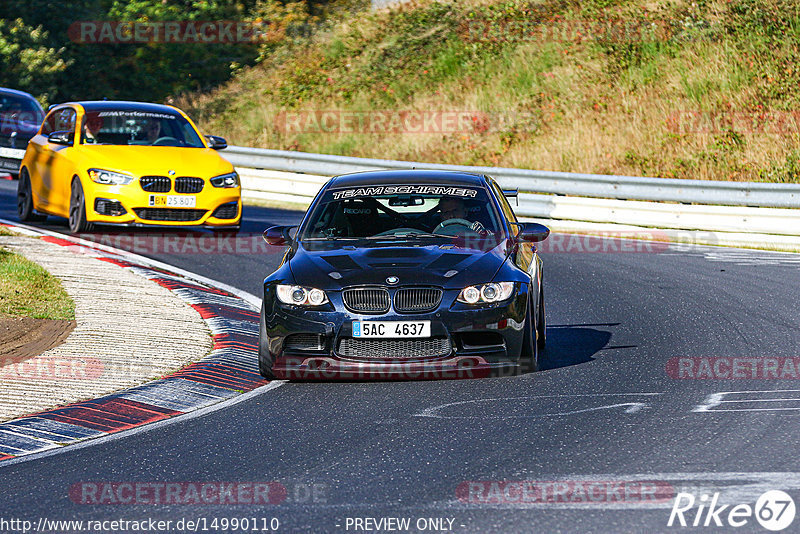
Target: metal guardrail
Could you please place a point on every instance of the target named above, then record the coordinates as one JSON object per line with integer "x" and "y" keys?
{"x": 557, "y": 183}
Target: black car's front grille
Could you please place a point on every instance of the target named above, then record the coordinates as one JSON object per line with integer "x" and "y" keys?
{"x": 366, "y": 299}
{"x": 305, "y": 342}
{"x": 226, "y": 211}
{"x": 155, "y": 184}
{"x": 188, "y": 184}
{"x": 417, "y": 299}
{"x": 169, "y": 214}
{"x": 394, "y": 348}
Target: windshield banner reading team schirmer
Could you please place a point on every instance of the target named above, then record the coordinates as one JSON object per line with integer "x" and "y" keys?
{"x": 404, "y": 189}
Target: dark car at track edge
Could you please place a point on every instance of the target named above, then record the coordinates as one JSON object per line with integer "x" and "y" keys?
{"x": 20, "y": 117}
{"x": 404, "y": 275}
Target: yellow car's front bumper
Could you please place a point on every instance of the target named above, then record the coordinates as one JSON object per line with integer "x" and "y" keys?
{"x": 130, "y": 205}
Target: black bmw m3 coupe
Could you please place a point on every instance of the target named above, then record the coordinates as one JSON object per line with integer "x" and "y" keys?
{"x": 404, "y": 275}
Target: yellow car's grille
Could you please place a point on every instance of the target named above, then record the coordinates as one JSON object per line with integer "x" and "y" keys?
{"x": 169, "y": 214}
{"x": 155, "y": 184}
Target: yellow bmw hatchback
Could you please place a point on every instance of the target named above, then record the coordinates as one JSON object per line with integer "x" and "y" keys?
{"x": 126, "y": 163}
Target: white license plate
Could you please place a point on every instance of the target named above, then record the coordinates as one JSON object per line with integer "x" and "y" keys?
{"x": 173, "y": 201}
{"x": 389, "y": 329}
{"x": 15, "y": 153}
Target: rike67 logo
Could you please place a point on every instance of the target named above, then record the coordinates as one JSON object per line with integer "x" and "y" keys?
{"x": 774, "y": 510}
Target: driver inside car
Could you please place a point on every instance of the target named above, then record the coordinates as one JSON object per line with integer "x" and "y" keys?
{"x": 453, "y": 211}
{"x": 153, "y": 130}
{"x": 91, "y": 129}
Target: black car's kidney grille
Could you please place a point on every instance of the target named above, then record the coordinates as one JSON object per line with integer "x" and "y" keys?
{"x": 188, "y": 184}
{"x": 394, "y": 348}
{"x": 417, "y": 299}
{"x": 155, "y": 184}
{"x": 366, "y": 299}
{"x": 169, "y": 214}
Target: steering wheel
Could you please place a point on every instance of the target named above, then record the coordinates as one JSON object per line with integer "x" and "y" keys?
{"x": 451, "y": 222}
{"x": 166, "y": 141}
{"x": 398, "y": 231}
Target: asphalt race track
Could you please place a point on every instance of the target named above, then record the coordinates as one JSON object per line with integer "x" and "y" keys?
{"x": 608, "y": 409}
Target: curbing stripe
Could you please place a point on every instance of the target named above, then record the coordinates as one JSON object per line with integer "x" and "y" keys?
{"x": 227, "y": 371}
{"x": 24, "y": 443}
{"x": 64, "y": 431}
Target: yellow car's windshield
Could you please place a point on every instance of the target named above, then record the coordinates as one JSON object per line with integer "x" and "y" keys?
{"x": 133, "y": 127}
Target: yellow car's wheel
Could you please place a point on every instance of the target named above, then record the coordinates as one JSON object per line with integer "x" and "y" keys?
{"x": 25, "y": 199}
{"x": 77, "y": 209}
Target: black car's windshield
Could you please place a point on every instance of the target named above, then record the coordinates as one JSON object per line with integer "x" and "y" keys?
{"x": 403, "y": 212}
{"x": 133, "y": 127}
{"x": 20, "y": 117}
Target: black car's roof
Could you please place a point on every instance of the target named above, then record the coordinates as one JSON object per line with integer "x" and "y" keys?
{"x": 406, "y": 177}
{"x": 16, "y": 92}
{"x": 111, "y": 105}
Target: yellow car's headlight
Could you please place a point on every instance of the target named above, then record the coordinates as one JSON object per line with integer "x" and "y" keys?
{"x": 226, "y": 180}
{"x": 109, "y": 177}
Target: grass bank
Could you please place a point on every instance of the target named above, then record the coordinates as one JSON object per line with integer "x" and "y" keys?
{"x": 706, "y": 89}
{"x": 27, "y": 290}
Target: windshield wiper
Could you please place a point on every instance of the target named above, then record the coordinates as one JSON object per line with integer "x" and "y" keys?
{"x": 407, "y": 235}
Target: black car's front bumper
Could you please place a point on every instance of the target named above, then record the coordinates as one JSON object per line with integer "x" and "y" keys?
{"x": 304, "y": 344}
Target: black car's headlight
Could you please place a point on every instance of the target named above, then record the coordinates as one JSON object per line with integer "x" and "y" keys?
{"x": 109, "y": 177}
{"x": 301, "y": 296}
{"x": 486, "y": 293}
{"x": 226, "y": 180}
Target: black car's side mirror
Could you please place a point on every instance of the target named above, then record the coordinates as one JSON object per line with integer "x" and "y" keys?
{"x": 61, "y": 138}
{"x": 216, "y": 142}
{"x": 279, "y": 235}
{"x": 532, "y": 232}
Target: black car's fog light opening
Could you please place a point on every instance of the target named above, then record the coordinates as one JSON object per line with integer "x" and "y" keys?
{"x": 112, "y": 208}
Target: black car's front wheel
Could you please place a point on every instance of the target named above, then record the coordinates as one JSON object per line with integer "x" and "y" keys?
{"x": 530, "y": 348}
{"x": 541, "y": 323}
{"x": 77, "y": 209}
{"x": 264, "y": 359}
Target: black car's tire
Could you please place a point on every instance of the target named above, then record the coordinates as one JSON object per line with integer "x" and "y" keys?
{"x": 264, "y": 360}
{"x": 529, "y": 357}
{"x": 25, "y": 199}
{"x": 541, "y": 323}
{"x": 77, "y": 209}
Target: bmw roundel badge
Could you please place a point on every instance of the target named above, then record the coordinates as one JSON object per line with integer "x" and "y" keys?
{"x": 392, "y": 280}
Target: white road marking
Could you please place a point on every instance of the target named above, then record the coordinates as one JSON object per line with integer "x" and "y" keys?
{"x": 631, "y": 407}
{"x": 714, "y": 400}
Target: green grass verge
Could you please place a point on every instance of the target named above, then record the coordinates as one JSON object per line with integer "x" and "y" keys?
{"x": 27, "y": 290}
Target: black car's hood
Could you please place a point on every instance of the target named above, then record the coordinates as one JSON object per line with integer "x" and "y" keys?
{"x": 441, "y": 264}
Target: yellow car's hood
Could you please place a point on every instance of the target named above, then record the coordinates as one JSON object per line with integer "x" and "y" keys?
{"x": 154, "y": 160}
